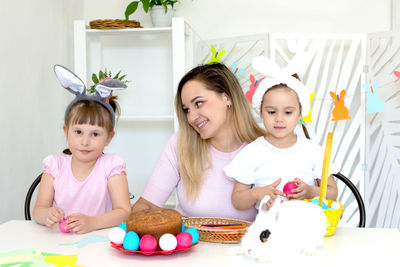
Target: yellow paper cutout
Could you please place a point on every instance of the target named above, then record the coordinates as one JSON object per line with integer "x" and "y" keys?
{"x": 25, "y": 256}
{"x": 62, "y": 260}
{"x": 215, "y": 55}
{"x": 339, "y": 112}
{"x": 309, "y": 115}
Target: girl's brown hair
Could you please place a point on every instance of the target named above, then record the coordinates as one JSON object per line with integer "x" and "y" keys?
{"x": 191, "y": 147}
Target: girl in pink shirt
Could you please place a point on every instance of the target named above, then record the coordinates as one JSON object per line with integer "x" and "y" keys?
{"x": 215, "y": 123}
{"x": 85, "y": 186}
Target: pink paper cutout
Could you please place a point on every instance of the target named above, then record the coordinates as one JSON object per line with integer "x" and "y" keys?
{"x": 253, "y": 86}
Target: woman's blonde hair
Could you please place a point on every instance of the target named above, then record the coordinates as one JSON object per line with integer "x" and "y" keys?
{"x": 193, "y": 151}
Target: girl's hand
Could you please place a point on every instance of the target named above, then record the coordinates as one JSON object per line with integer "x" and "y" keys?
{"x": 79, "y": 223}
{"x": 54, "y": 215}
{"x": 270, "y": 190}
{"x": 302, "y": 191}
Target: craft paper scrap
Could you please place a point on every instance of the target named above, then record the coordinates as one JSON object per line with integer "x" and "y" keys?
{"x": 28, "y": 258}
{"x": 63, "y": 260}
{"x": 87, "y": 240}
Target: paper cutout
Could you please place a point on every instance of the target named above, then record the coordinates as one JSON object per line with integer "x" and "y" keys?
{"x": 29, "y": 257}
{"x": 397, "y": 74}
{"x": 236, "y": 70}
{"x": 309, "y": 115}
{"x": 215, "y": 57}
{"x": 374, "y": 103}
{"x": 87, "y": 240}
{"x": 63, "y": 260}
{"x": 339, "y": 112}
{"x": 253, "y": 87}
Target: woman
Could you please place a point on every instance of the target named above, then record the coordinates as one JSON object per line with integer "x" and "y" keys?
{"x": 215, "y": 123}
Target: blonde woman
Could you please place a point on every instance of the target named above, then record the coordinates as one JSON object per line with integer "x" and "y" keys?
{"x": 215, "y": 123}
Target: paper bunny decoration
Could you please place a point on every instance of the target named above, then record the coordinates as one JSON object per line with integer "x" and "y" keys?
{"x": 276, "y": 75}
{"x": 236, "y": 70}
{"x": 287, "y": 229}
{"x": 75, "y": 85}
{"x": 308, "y": 117}
{"x": 215, "y": 57}
{"x": 374, "y": 103}
{"x": 253, "y": 87}
{"x": 339, "y": 112}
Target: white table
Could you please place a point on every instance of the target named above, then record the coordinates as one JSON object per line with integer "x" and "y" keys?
{"x": 347, "y": 247}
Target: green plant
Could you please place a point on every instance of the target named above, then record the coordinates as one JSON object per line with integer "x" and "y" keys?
{"x": 104, "y": 76}
{"x": 148, "y": 4}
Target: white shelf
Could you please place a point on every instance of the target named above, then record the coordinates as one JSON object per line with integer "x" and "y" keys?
{"x": 156, "y": 118}
{"x": 127, "y": 31}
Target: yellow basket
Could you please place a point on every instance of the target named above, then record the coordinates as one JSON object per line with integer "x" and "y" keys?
{"x": 216, "y": 235}
{"x": 332, "y": 216}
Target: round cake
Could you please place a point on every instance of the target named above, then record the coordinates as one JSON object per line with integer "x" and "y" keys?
{"x": 155, "y": 222}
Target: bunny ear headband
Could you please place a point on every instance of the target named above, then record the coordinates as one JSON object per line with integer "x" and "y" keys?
{"x": 276, "y": 75}
{"x": 75, "y": 85}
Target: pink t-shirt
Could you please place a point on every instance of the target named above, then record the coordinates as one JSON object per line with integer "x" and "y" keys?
{"x": 89, "y": 197}
{"x": 214, "y": 198}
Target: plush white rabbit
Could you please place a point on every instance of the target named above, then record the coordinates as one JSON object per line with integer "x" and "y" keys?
{"x": 285, "y": 230}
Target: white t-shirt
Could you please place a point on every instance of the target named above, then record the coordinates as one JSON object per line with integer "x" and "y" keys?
{"x": 261, "y": 163}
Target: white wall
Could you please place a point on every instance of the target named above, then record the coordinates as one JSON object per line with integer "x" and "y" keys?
{"x": 34, "y": 36}
{"x": 216, "y": 19}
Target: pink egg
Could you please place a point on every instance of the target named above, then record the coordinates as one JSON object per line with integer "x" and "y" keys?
{"x": 62, "y": 225}
{"x": 184, "y": 240}
{"x": 288, "y": 187}
{"x": 148, "y": 243}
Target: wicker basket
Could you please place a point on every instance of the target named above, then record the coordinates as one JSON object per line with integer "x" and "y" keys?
{"x": 332, "y": 217}
{"x": 114, "y": 24}
{"x": 216, "y": 235}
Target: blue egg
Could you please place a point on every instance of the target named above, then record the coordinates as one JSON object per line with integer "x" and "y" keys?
{"x": 183, "y": 227}
{"x": 131, "y": 241}
{"x": 123, "y": 226}
{"x": 315, "y": 201}
{"x": 194, "y": 233}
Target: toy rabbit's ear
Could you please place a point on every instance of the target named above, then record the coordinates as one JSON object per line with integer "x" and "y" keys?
{"x": 333, "y": 95}
{"x": 266, "y": 66}
{"x": 263, "y": 204}
{"x": 69, "y": 80}
{"x": 104, "y": 89}
{"x": 342, "y": 94}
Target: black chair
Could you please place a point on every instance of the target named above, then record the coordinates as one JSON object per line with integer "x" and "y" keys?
{"x": 356, "y": 193}
{"x": 28, "y": 197}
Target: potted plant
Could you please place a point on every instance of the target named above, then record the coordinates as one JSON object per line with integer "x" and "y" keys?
{"x": 161, "y": 11}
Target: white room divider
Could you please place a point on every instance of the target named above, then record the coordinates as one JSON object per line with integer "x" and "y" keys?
{"x": 365, "y": 146}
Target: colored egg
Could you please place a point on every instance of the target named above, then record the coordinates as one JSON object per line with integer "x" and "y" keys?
{"x": 148, "y": 243}
{"x": 194, "y": 233}
{"x": 131, "y": 241}
{"x": 288, "y": 187}
{"x": 116, "y": 235}
{"x": 123, "y": 226}
{"x": 184, "y": 240}
{"x": 167, "y": 242}
{"x": 62, "y": 225}
{"x": 315, "y": 201}
{"x": 183, "y": 227}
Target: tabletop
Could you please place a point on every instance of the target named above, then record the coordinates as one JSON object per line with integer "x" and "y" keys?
{"x": 20, "y": 240}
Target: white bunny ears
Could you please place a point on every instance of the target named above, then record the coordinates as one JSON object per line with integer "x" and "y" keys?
{"x": 276, "y": 75}
{"x": 75, "y": 85}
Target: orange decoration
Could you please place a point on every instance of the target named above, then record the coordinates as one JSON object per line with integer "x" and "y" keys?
{"x": 339, "y": 112}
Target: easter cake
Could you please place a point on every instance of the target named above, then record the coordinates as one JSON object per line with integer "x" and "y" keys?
{"x": 155, "y": 222}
